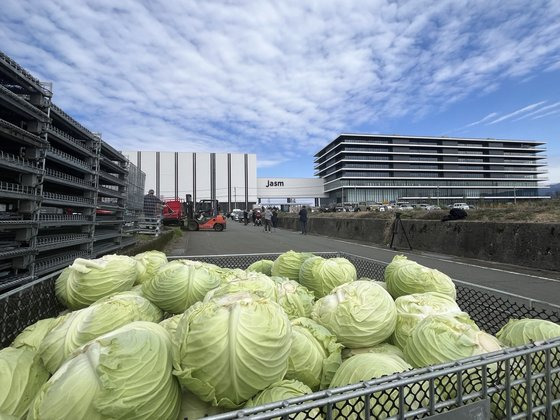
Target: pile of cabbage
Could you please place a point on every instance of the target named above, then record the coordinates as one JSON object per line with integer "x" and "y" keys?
{"x": 146, "y": 338}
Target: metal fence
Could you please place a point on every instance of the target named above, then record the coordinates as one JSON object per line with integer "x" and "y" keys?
{"x": 518, "y": 383}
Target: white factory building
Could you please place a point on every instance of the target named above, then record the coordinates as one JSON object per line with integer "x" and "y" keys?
{"x": 230, "y": 178}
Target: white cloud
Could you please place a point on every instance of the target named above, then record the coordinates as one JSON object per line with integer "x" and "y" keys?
{"x": 283, "y": 77}
{"x": 517, "y": 112}
{"x": 539, "y": 111}
{"x": 556, "y": 111}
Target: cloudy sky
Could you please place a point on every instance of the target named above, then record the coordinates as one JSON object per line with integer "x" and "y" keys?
{"x": 283, "y": 78}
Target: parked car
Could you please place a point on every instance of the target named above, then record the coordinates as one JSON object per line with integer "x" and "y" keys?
{"x": 462, "y": 206}
{"x": 237, "y": 215}
{"x": 405, "y": 207}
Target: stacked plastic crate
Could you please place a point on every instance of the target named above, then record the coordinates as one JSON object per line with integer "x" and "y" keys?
{"x": 24, "y": 103}
{"x": 111, "y": 200}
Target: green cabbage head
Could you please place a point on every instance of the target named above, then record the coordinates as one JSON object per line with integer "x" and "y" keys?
{"x": 262, "y": 266}
{"x": 446, "y": 338}
{"x": 21, "y": 376}
{"x": 314, "y": 355}
{"x": 360, "y": 314}
{"x": 79, "y": 327}
{"x": 256, "y": 283}
{"x": 366, "y": 366}
{"x": 170, "y": 324}
{"x": 524, "y": 331}
{"x": 379, "y": 282}
{"x": 32, "y": 336}
{"x": 148, "y": 263}
{"x": 405, "y": 277}
{"x": 123, "y": 374}
{"x": 296, "y": 300}
{"x": 86, "y": 281}
{"x": 411, "y": 309}
{"x": 384, "y": 348}
{"x": 179, "y": 284}
{"x": 281, "y": 391}
{"x": 289, "y": 263}
{"x": 321, "y": 275}
{"x": 229, "y": 348}
{"x": 193, "y": 407}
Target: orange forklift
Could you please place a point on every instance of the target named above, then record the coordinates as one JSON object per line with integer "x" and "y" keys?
{"x": 204, "y": 215}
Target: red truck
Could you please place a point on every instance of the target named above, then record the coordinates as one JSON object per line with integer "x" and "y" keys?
{"x": 173, "y": 212}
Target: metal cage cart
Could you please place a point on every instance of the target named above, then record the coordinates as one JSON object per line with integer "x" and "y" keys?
{"x": 515, "y": 383}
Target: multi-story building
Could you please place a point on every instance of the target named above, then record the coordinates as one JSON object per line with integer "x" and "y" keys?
{"x": 380, "y": 168}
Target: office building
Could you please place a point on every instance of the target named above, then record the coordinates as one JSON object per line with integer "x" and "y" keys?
{"x": 382, "y": 168}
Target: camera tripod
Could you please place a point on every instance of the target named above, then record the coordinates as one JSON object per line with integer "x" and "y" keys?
{"x": 395, "y": 228}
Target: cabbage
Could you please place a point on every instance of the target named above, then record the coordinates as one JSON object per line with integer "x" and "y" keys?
{"x": 364, "y": 367}
{"x": 257, "y": 283}
{"x": 379, "y": 282}
{"x": 21, "y": 376}
{"x": 123, "y": 374}
{"x": 445, "y": 338}
{"x": 296, "y": 300}
{"x": 384, "y": 348}
{"x": 193, "y": 407}
{"x": 148, "y": 263}
{"x": 32, "y": 336}
{"x": 170, "y": 324}
{"x": 281, "y": 391}
{"x": 524, "y": 331}
{"x": 289, "y": 263}
{"x": 82, "y": 326}
{"x": 405, "y": 277}
{"x": 229, "y": 348}
{"x": 322, "y": 275}
{"x": 360, "y": 314}
{"x": 86, "y": 281}
{"x": 314, "y": 355}
{"x": 179, "y": 284}
{"x": 262, "y": 266}
{"x": 411, "y": 309}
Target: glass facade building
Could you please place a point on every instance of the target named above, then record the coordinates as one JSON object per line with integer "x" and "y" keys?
{"x": 382, "y": 168}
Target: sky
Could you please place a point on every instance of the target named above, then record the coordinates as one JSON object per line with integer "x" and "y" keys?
{"x": 284, "y": 78}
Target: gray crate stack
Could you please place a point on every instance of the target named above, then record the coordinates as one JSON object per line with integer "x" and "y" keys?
{"x": 63, "y": 190}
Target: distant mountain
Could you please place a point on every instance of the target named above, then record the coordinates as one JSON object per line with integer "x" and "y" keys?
{"x": 554, "y": 190}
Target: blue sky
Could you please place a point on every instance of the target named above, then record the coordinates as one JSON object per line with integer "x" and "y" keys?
{"x": 282, "y": 79}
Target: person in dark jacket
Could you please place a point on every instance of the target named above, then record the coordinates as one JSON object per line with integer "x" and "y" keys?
{"x": 152, "y": 205}
{"x": 303, "y": 220}
{"x": 274, "y": 218}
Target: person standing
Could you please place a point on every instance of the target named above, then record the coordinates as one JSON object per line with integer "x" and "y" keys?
{"x": 245, "y": 217}
{"x": 303, "y": 220}
{"x": 267, "y": 220}
{"x": 274, "y": 219}
{"x": 152, "y": 205}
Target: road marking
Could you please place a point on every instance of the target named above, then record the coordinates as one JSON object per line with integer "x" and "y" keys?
{"x": 450, "y": 261}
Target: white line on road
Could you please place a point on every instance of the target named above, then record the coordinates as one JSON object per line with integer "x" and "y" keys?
{"x": 450, "y": 261}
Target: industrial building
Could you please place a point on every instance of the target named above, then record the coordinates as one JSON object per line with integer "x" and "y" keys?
{"x": 64, "y": 192}
{"x": 382, "y": 168}
{"x": 230, "y": 178}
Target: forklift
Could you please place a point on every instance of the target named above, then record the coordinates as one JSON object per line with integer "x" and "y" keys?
{"x": 203, "y": 215}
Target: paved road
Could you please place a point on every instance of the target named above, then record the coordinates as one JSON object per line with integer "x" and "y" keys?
{"x": 240, "y": 239}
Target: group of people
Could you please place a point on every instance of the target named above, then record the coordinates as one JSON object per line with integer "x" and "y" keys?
{"x": 263, "y": 216}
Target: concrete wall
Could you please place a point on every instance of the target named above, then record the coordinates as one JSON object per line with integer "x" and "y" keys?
{"x": 526, "y": 244}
